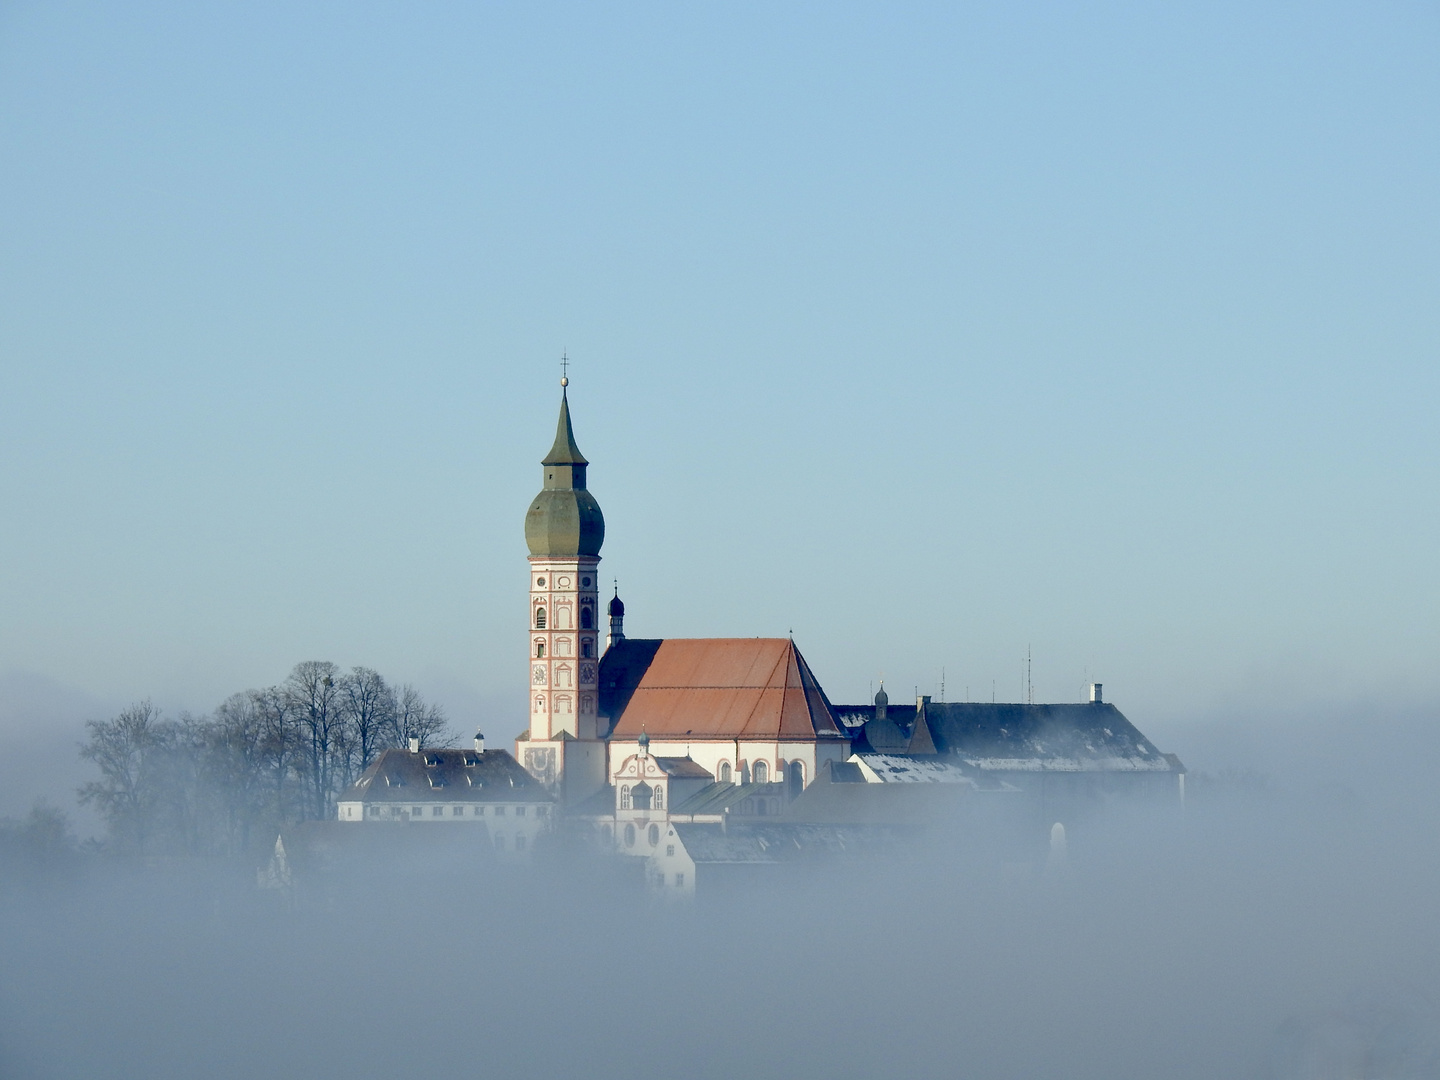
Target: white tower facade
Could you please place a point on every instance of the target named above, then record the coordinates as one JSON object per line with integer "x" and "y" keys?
{"x": 564, "y": 530}
{"x": 564, "y": 647}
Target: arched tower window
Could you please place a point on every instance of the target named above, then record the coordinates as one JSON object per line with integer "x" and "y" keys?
{"x": 659, "y": 800}
{"x": 724, "y": 772}
{"x": 539, "y": 618}
{"x": 539, "y": 650}
{"x": 587, "y": 618}
{"x": 624, "y": 796}
{"x": 760, "y": 772}
{"x": 797, "y": 777}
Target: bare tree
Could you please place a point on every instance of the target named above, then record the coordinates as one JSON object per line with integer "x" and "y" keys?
{"x": 128, "y": 750}
{"x": 312, "y": 696}
{"x": 369, "y": 707}
{"x": 281, "y": 750}
{"x": 249, "y": 751}
{"x": 416, "y": 719}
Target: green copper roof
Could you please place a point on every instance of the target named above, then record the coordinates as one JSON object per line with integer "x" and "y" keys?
{"x": 564, "y": 521}
{"x": 564, "y": 452}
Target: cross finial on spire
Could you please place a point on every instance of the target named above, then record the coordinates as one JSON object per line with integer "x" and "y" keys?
{"x": 564, "y": 369}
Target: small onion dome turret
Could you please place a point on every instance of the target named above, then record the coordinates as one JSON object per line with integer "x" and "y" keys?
{"x": 644, "y": 743}
{"x": 882, "y": 698}
{"x": 564, "y": 521}
{"x": 616, "y": 608}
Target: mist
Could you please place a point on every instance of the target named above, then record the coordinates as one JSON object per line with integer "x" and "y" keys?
{"x": 1281, "y": 925}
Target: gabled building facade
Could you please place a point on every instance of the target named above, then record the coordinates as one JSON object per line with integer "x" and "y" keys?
{"x": 475, "y": 787}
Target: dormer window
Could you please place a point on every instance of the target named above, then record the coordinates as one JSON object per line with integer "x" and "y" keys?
{"x": 437, "y": 781}
{"x": 432, "y": 760}
{"x": 471, "y": 760}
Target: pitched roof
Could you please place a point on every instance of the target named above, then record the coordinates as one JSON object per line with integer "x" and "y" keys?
{"x": 683, "y": 768}
{"x": 1064, "y": 738}
{"x": 724, "y": 688}
{"x": 722, "y": 797}
{"x": 398, "y": 776}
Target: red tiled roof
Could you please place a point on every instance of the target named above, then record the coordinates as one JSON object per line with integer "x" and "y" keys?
{"x": 727, "y": 688}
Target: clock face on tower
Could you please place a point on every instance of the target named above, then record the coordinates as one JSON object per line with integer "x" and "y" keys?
{"x": 587, "y": 673}
{"x": 537, "y": 676}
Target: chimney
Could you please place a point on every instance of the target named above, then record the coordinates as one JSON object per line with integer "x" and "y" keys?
{"x": 921, "y": 700}
{"x": 480, "y": 741}
{"x": 1096, "y": 698}
{"x": 414, "y": 746}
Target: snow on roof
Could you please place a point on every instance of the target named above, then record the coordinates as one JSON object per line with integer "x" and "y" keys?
{"x": 896, "y": 769}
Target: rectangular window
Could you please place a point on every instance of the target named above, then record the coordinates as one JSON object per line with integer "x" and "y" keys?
{"x": 670, "y": 850}
{"x": 499, "y": 811}
{"x": 374, "y": 811}
{"x": 417, "y": 811}
{"x": 542, "y": 811}
{"x": 459, "y": 811}
{"x": 679, "y": 881}
{"x": 519, "y": 811}
{"x": 436, "y": 811}
{"x": 479, "y": 811}
{"x": 520, "y": 842}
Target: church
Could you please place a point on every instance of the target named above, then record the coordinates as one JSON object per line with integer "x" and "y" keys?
{"x": 635, "y": 735}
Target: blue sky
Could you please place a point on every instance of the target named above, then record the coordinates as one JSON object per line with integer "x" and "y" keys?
{"x": 931, "y": 332}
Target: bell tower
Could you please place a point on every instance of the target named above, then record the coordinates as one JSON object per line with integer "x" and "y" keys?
{"x": 564, "y": 530}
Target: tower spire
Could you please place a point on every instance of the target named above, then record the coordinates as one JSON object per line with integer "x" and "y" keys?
{"x": 564, "y": 452}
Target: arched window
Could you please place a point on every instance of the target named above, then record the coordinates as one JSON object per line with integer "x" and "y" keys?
{"x": 625, "y": 797}
{"x": 587, "y": 618}
{"x": 797, "y": 777}
{"x": 629, "y": 835}
{"x": 659, "y": 800}
{"x": 539, "y": 704}
{"x": 640, "y": 795}
{"x": 539, "y": 618}
{"x": 539, "y": 650}
{"x": 654, "y": 835}
{"x": 760, "y": 772}
{"x": 587, "y": 648}
{"x": 724, "y": 772}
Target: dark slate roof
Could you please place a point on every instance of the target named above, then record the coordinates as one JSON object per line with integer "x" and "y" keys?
{"x": 843, "y": 772}
{"x": 779, "y": 841}
{"x": 683, "y": 768}
{"x": 721, "y": 797}
{"x": 1067, "y": 738}
{"x": 399, "y": 776}
{"x": 854, "y": 717}
{"x": 621, "y": 669}
{"x": 881, "y": 737}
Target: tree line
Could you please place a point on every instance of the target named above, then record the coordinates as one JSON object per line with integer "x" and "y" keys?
{"x": 264, "y": 759}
